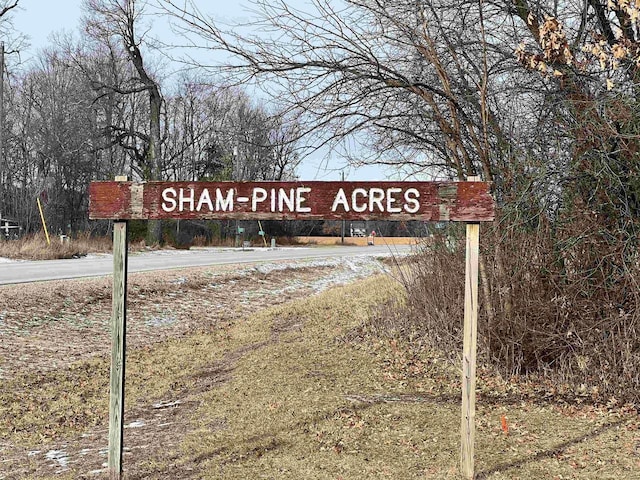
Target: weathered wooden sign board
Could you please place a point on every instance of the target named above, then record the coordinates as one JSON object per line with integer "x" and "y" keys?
{"x": 428, "y": 201}
{"x": 121, "y": 201}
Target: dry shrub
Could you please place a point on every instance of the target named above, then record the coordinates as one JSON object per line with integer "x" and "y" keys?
{"x": 556, "y": 300}
{"x": 200, "y": 241}
{"x": 435, "y": 284}
{"x": 289, "y": 241}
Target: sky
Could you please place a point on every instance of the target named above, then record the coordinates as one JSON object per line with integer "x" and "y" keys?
{"x": 39, "y": 19}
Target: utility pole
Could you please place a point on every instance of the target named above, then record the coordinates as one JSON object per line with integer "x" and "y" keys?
{"x": 343, "y": 224}
{"x": 1, "y": 130}
{"x": 235, "y": 175}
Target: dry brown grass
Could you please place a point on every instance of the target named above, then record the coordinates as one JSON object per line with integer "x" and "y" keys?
{"x": 304, "y": 390}
{"x": 34, "y": 247}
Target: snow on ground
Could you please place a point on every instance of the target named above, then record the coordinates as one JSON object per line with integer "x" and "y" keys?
{"x": 345, "y": 270}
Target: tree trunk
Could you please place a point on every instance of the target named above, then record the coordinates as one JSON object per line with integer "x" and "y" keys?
{"x": 154, "y": 227}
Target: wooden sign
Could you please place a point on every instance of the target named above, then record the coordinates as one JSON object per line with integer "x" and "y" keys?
{"x": 469, "y": 202}
{"x": 427, "y": 201}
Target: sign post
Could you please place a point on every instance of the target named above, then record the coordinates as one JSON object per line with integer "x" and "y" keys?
{"x": 118, "y": 346}
{"x": 120, "y": 201}
{"x": 469, "y": 344}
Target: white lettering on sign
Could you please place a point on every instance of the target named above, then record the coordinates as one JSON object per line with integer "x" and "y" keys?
{"x": 184, "y": 199}
{"x": 391, "y": 200}
{"x": 340, "y": 200}
{"x": 259, "y": 196}
{"x": 300, "y": 199}
{"x": 284, "y": 199}
{"x": 224, "y": 204}
{"x": 354, "y": 200}
{"x": 376, "y": 196}
{"x": 204, "y": 198}
{"x": 281, "y": 200}
{"x": 411, "y": 197}
{"x": 290, "y": 200}
{"x": 378, "y": 200}
{"x": 169, "y": 199}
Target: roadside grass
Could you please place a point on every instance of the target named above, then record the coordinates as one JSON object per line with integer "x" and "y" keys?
{"x": 34, "y": 247}
{"x": 308, "y": 390}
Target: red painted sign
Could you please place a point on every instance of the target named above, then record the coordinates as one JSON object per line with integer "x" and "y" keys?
{"x": 429, "y": 201}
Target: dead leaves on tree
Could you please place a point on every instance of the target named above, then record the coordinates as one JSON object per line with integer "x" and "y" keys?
{"x": 611, "y": 56}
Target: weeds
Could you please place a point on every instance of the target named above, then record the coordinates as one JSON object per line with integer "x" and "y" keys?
{"x": 35, "y": 247}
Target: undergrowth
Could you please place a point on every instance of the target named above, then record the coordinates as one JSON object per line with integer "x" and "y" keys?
{"x": 567, "y": 316}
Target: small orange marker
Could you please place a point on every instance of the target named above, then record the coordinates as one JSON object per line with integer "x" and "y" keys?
{"x": 505, "y": 427}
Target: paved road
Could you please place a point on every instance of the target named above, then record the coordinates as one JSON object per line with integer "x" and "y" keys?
{"x": 101, "y": 265}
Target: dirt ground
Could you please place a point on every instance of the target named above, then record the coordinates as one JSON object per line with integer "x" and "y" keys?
{"x": 220, "y": 386}
{"x": 36, "y": 317}
{"x": 49, "y": 327}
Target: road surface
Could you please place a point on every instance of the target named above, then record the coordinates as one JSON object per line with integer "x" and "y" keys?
{"x": 101, "y": 265}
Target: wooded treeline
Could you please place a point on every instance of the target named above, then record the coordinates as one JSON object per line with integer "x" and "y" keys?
{"x": 94, "y": 108}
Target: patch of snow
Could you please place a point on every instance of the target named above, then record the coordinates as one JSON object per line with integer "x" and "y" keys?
{"x": 356, "y": 267}
{"x": 59, "y": 456}
{"x": 33, "y": 453}
{"x": 160, "y": 321}
{"x": 166, "y": 404}
{"x": 346, "y": 270}
{"x": 136, "y": 424}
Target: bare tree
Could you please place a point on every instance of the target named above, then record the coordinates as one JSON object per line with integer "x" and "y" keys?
{"x": 121, "y": 19}
{"x": 222, "y": 134}
{"x": 5, "y": 7}
{"x": 413, "y": 75}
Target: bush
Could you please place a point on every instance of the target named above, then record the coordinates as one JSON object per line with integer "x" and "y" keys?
{"x": 558, "y": 300}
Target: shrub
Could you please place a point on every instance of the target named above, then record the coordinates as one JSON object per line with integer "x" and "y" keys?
{"x": 558, "y": 300}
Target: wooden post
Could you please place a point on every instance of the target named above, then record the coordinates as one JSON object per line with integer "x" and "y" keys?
{"x": 118, "y": 346}
{"x": 469, "y": 348}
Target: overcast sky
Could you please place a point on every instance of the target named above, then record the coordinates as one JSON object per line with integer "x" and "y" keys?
{"x": 38, "y": 19}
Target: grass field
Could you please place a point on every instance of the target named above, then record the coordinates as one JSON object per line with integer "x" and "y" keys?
{"x": 307, "y": 389}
